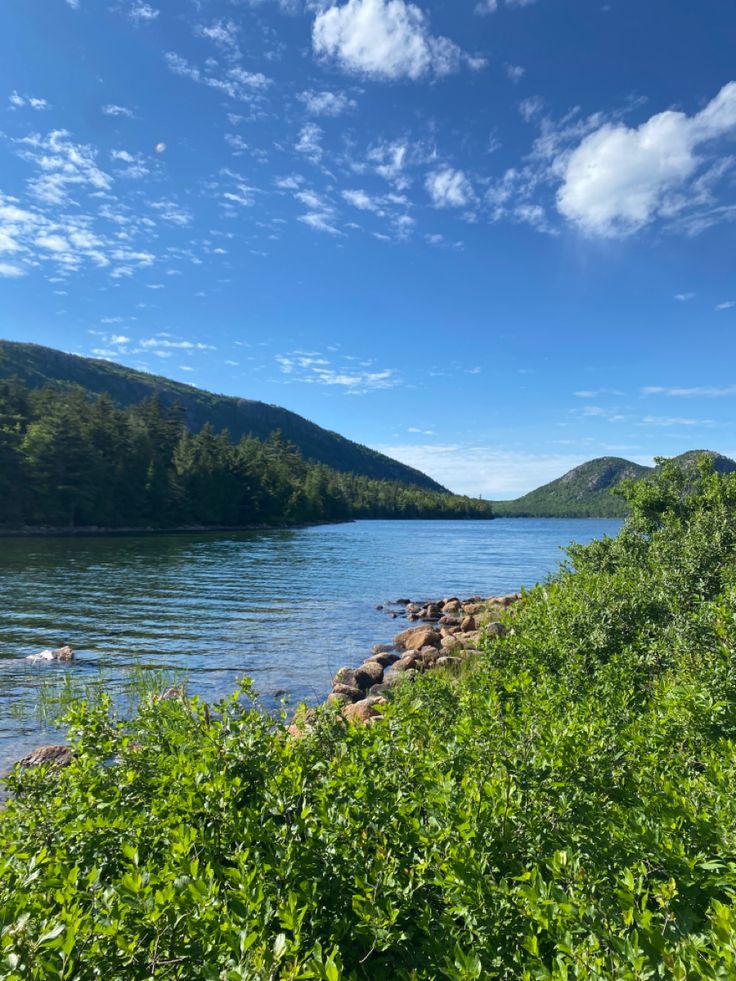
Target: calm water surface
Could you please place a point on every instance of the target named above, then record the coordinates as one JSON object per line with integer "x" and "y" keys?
{"x": 286, "y": 607}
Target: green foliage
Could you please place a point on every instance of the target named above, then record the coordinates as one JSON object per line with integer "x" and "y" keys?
{"x": 563, "y": 811}
{"x": 68, "y": 460}
{"x": 43, "y": 367}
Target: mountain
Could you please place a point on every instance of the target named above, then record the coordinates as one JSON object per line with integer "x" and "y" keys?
{"x": 585, "y": 491}
{"x": 37, "y": 366}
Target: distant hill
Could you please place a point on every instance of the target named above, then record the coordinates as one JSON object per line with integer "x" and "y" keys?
{"x": 585, "y": 492}
{"x": 37, "y": 366}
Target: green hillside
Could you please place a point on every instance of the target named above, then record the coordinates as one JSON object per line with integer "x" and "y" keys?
{"x": 38, "y": 366}
{"x": 585, "y": 491}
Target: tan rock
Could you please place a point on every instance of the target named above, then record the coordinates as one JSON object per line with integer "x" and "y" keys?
{"x": 451, "y": 606}
{"x": 360, "y": 713}
{"x": 370, "y": 673}
{"x": 54, "y": 756}
{"x": 351, "y": 692}
{"x": 426, "y": 637}
{"x": 468, "y": 624}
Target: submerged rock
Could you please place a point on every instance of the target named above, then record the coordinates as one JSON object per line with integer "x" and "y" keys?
{"x": 63, "y": 654}
{"x": 54, "y": 756}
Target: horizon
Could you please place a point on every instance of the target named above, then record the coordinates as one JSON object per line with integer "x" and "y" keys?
{"x": 492, "y": 241}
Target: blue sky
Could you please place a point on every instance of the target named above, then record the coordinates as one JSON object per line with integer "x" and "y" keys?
{"x": 493, "y": 239}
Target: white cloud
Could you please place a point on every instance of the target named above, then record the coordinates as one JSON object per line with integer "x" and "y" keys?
{"x": 9, "y": 270}
{"x": 385, "y": 39}
{"x": 74, "y": 4}
{"x": 22, "y": 101}
{"x": 728, "y": 305}
{"x": 142, "y": 13}
{"x": 326, "y": 103}
{"x": 234, "y": 82}
{"x": 63, "y": 164}
{"x": 619, "y": 179}
{"x": 113, "y": 110}
{"x": 484, "y": 7}
{"x": 313, "y": 368}
{"x": 449, "y": 188}
{"x": 310, "y": 142}
{"x": 684, "y": 297}
{"x": 515, "y": 73}
{"x": 320, "y": 215}
{"x": 223, "y": 33}
{"x": 669, "y": 421}
{"x": 696, "y": 391}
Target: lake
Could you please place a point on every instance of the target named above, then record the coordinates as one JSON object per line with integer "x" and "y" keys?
{"x": 287, "y": 608}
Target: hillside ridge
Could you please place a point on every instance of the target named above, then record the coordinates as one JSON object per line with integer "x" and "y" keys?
{"x": 36, "y": 366}
{"x": 585, "y": 491}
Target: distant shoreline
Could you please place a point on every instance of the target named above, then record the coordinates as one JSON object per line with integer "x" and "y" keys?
{"x": 95, "y": 532}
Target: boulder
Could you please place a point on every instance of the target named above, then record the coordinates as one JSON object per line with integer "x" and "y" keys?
{"x": 391, "y": 681}
{"x": 369, "y": 674}
{"x": 383, "y": 648}
{"x": 360, "y": 713}
{"x": 449, "y": 662}
{"x": 63, "y": 654}
{"x": 406, "y": 663}
{"x": 494, "y": 630}
{"x": 451, "y": 605}
{"x": 468, "y": 624}
{"x": 385, "y": 660}
{"x": 54, "y": 756}
{"x": 450, "y": 643}
{"x": 345, "y": 676}
{"x": 448, "y": 621}
{"x": 351, "y": 692}
{"x": 338, "y": 698}
{"x": 470, "y": 609}
{"x": 510, "y": 599}
{"x": 424, "y": 637}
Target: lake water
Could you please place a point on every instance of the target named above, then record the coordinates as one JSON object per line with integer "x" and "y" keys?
{"x": 287, "y": 608}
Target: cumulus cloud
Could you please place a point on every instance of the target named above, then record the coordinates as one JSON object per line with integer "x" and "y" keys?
{"x": 620, "y": 179}
{"x": 142, "y": 13}
{"x": 449, "y": 188}
{"x": 8, "y": 270}
{"x": 386, "y": 39}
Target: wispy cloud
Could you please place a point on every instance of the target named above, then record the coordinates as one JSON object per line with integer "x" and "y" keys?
{"x": 727, "y": 305}
{"x": 113, "y": 110}
{"x": 22, "y": 101}
{"x": 676, "y": 421}
{"x": 313, "y": 368}
{"x": 234, "y": 82}
{"x": 696, "y": 391}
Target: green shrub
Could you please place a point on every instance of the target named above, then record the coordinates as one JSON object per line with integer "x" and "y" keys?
{"x": 564, "y": 810}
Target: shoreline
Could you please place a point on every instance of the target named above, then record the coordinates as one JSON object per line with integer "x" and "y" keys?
{"x": 97, "y": 532}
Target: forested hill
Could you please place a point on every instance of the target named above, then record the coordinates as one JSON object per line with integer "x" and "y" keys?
{"x": 39, "y": 366}
{"x": 69, "y": 460}
{"x": 585, "y": 492}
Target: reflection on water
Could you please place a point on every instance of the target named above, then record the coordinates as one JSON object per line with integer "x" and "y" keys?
{"x": 286, "y": 607}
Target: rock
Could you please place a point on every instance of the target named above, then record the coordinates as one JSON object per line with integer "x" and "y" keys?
{"x": 449, "y": 662}
{"x": 380, "y": 606}
{"x": 418, "y": 637}
{"x": 385, "y": 660}
{"x": 391, "y": 681}
{"x": 470, "y": 609}
{"x": 63, "y": 654}
{"x": 510, "y": 599}
{"x": 448, "y": 621}
{"x": 494, "y": 630}
{"x": 360, "y": 713}
{"x": 468, "y": 624}
{"x": 406, "y": 663}
{"x": 402, "y": 602}
{"x": 339, "y": 698}
{"x": 451, "y": 605}
{"x": 450, "y": 643}
{"x": 54, "y": 756}
{"x": 351, "y": 692}
{"x": 369, "y": 674}
{"x": 296, "y": 732}
{"x": 383, "y": 648}
{"x": 170, "y": 695}
{"x": 345, "y": 676}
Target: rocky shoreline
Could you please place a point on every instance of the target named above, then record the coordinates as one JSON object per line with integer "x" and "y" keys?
{"x": 449, "y": 632}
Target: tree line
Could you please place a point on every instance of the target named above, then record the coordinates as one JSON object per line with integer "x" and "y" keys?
{"x": 71, "y": 460}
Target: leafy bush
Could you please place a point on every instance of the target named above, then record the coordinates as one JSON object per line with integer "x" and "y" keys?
{"x": 564, "y": 810}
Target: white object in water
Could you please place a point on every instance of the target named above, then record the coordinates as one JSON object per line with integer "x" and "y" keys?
{"x": 58, "y": 654}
